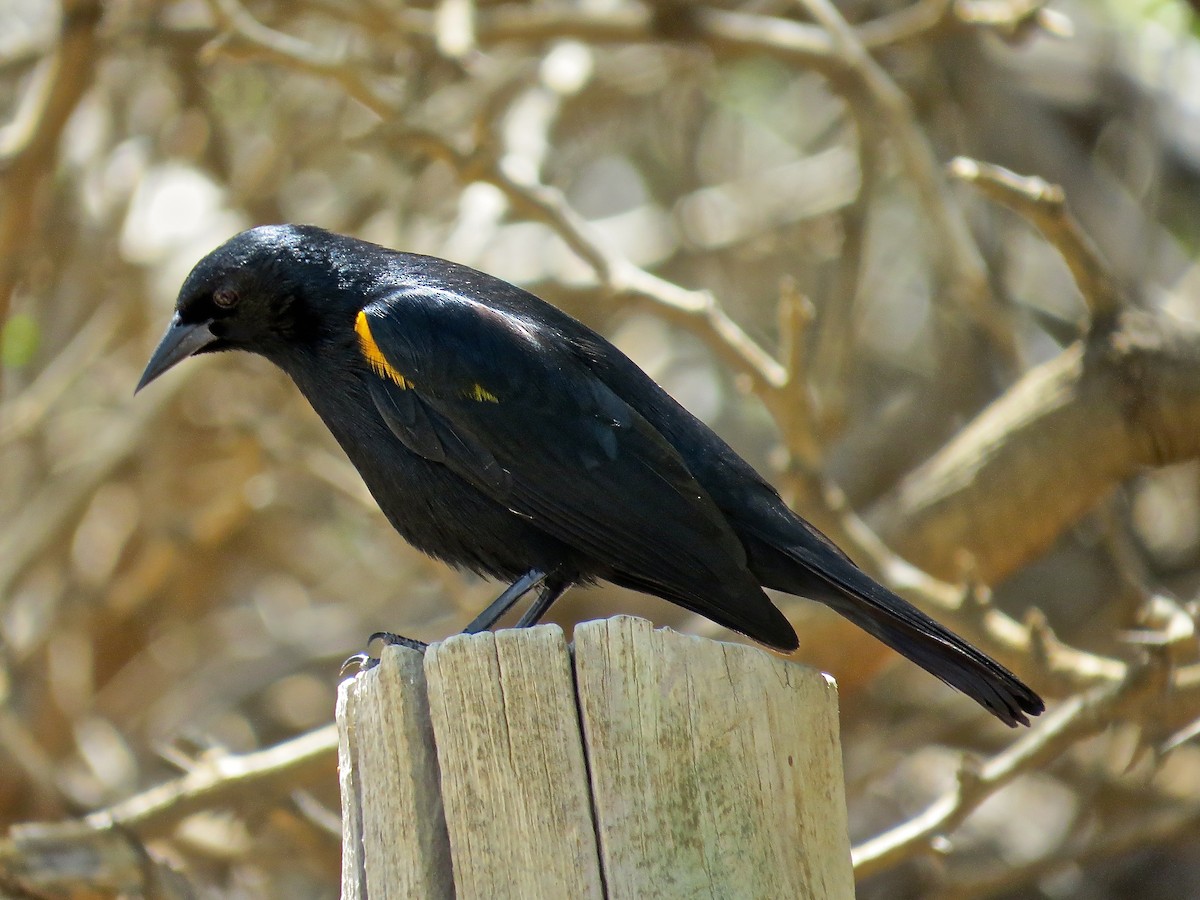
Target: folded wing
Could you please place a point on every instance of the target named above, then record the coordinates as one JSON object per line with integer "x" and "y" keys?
{"x": 511, "y": 410}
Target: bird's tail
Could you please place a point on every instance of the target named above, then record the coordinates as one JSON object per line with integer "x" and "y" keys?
{"x": 809, "y": 565}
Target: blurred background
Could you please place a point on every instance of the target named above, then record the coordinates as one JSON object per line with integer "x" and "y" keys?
{"x": 751, "y": 199}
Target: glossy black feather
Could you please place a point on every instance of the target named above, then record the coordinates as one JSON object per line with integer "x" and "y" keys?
{"x": 500, "y": 434}
{"x": 581, "y": 463}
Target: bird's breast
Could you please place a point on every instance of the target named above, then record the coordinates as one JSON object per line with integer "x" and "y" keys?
{"x": 430, "y": 506}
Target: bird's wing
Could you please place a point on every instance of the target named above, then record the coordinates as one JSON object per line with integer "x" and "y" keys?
{"x": 504, "y": 402}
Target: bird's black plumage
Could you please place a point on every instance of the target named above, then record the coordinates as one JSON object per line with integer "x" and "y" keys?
{"x": 501, "y": 435}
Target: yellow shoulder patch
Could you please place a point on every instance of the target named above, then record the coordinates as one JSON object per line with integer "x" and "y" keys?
{"x": 373, "y": 355}
{"x": 381, "y": 367}
{"x": 482, "y": 394}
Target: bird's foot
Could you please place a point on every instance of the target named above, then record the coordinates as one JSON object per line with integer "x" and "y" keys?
{"x": 364, "y": 661}
{"x": 390, "y": 639}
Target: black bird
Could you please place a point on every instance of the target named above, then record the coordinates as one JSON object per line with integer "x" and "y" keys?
{"x": 501, "y": 435}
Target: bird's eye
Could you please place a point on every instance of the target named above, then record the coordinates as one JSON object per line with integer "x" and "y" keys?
{"x": 226, "y": 298}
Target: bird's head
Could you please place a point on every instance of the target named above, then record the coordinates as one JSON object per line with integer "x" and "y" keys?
{"x": 266, "y": 290}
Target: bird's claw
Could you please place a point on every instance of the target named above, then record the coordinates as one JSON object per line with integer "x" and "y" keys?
{"x": 364, "y": 661}
{"x": 357, "y": 664}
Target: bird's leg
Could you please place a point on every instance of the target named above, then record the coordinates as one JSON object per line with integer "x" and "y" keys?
{"x": 552, "y": 587}
{"x": 550, "y": 592}
{"x": 482, "y": 622}
{"x": 505, "y": 601}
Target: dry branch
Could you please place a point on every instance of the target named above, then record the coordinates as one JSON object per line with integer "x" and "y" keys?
{"x": 107, "y": 845}
{"x": 1080, "y": 717}
{"x": 30, "y": 151}
{"x": 224, "y": 781}
{"x": 1048, "y": 450}
{"x": 1045, "y": 206}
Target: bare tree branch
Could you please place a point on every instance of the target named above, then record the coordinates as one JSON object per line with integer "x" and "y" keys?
{"x": 223, "y": 780}
{"x": 1045, "y": 206}
{"x": 30, "y": 150}
{"x": 1048, "y": 450}
{"x": 1052, "y": 736}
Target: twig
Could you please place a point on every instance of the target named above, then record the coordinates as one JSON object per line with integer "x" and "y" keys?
{"x": 956, "y": 257}
{"x": 1156, "y": 827}
{"x": 223, "y": 780}
{"x": 798, "y": 416}
{"x": 48, "y": 513}
{"x": 106, "y": 846}
{"x": 1011, "y": 19}
{"x": 31, "y": 150}
{"x": 245, "y": 37}
{"x": 1014, "y": 19}
{"x": 626, "y": 282}
{"x": 726, "y": 31}
{"x": 698, "y": 311}
{"x": 1044, "y": 205}
{"x": 907, "y": 23}
{"x": 1053, "y": 735}
{"x": 835, "y": 338}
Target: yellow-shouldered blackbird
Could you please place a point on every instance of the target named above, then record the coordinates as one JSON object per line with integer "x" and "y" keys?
{"x": 501, "y": 435}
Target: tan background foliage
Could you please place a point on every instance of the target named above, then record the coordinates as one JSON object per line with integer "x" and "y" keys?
{"x": 752, "y": 200}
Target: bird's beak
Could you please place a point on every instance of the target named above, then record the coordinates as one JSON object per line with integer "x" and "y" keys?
{"x": 180, "y": 342}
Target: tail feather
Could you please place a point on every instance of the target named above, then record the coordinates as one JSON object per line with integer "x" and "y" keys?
{"x": 948, "y": 657}
{"x": 808, "y": 569}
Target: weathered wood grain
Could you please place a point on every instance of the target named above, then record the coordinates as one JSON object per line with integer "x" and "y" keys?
{"x": 349, "y": 777}
{"x": 514, "y": 781}
{"x": 701, "y": 769}
{"x": 716, "y": 768}
{"x": 393, "y": 830}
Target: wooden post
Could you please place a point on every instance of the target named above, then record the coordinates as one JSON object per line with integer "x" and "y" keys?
{"x": 667, "y": 766}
